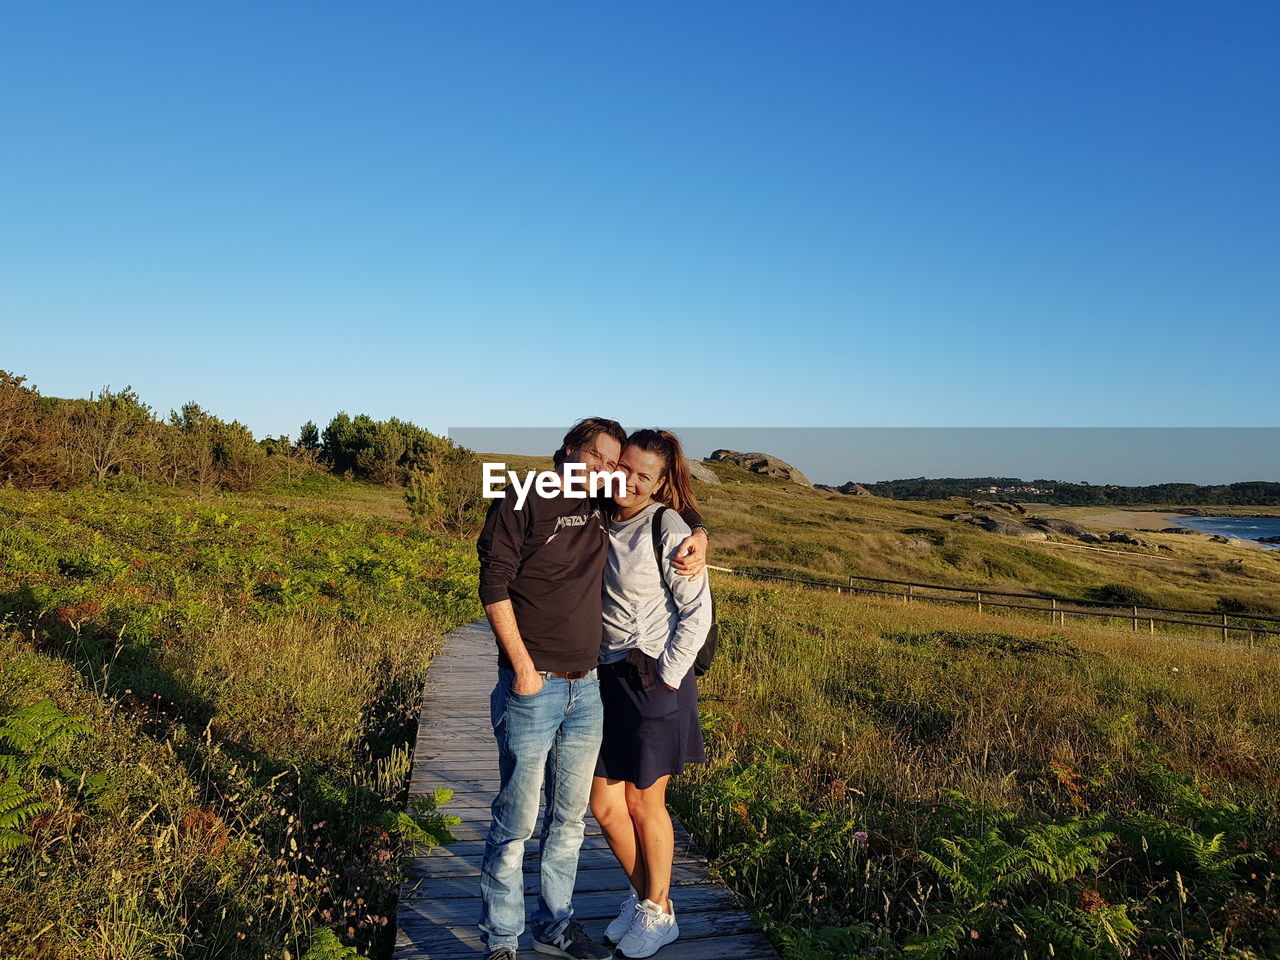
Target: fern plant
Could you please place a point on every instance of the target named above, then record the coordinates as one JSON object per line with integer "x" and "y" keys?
{"x": 1213, "y": 862}
{"x": 1192, "y": 800}
{"x": 1176, "y": 846}
{"x": 17, "y": 807}
{"x": 325, "y": 945}
{"x": 1105, "y": 930}
{"x": 421, "y": 823}
{"x": 33, "y": 733}
{"x": 1006, "y": 879}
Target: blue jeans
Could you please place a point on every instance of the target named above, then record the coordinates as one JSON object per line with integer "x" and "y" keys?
{"x": 548, "y": 739}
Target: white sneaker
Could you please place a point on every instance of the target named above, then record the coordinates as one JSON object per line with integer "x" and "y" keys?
{"x": 651, "y": 930}
{"x": 617, "y": 929}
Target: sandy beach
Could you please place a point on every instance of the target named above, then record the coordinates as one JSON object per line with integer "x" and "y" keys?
{"x": 1103, "y": 520}
{"x": 1128, "y": 519}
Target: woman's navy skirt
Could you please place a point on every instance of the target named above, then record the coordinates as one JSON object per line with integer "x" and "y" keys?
{"x": 649, "y": 730}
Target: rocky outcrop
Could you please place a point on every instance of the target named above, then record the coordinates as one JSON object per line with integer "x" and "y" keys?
{"x": 849, "y": 489}
{"x": 1002, "y": 526}
{"x": 998, "y": 505}
{"x": 1056, "y": 525}
{"x": 1118, "y": 536}
{"x": 763, "y": 464}
{"x": 1012, "y": 528}
{"x": 700, "y": 471}
{"x": 1182, "y": 530}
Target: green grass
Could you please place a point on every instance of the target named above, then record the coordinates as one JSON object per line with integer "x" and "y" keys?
{"x": 904, "y": 781}
{"x": 927, "y": 781}
{"x": 248, "y": 669}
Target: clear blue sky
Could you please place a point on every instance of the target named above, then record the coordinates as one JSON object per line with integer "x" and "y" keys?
{"x": 472, "y": 213}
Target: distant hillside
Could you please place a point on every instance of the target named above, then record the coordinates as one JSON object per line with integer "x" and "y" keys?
{"x": 778, "y": 526}
{"x": 1251, "y": 493}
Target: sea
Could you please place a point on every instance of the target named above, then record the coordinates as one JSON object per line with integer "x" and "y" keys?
{"x": 1246, "y": 528}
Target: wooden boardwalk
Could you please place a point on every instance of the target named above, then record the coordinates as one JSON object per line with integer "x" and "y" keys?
{"x": 440, "y": 901}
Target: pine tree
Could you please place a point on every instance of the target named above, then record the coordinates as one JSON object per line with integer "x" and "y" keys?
{"x": 309, "y": 436}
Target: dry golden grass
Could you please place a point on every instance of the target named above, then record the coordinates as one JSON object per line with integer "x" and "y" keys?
{"x": 832, "y": 717}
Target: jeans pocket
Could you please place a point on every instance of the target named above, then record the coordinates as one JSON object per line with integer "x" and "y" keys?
{"x": 497, "y": 706}
{"x": 526, "y": 697}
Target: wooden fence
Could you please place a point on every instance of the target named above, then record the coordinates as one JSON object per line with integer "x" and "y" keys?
{"x": 1057, "y": 608}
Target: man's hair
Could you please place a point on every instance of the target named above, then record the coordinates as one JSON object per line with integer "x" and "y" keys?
{"x": 586, "y": 430}
{"x": 677, "y": 492}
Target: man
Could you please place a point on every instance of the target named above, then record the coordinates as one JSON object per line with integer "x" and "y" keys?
{"x": 540, "y": 581}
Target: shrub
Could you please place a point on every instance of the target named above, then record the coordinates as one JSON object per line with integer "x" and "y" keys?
{"x": 30, "y": 437}
{"x": 1120, "y": 593}
{"x": 105, "y": 434}
{"x": 384, "y": 451}
{"x": 1243, "y": 605}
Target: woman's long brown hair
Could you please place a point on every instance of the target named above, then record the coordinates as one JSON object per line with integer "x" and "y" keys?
{"x": 677, "y": 492}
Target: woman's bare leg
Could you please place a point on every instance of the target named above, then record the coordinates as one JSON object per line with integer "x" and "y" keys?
{"x": 648, "y": 810}
{"x": 609, "y": 807}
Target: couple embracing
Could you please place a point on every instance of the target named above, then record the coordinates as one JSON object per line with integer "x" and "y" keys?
{"x": 600, "y": 607}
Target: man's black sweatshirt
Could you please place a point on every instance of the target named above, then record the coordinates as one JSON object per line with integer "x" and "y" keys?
{"x": 548, "y": 559}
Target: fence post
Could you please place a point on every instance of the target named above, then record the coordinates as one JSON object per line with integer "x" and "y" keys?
{"x": 1224, "y": 627}
{"x": 851, "y": 581}
{"x": 1135, "y": 618}
{"x": 979, "y": 593}
{"x": 908, "y": 593}
{"x": 1053, "y": 610}
{"x": 1153, "y": 626}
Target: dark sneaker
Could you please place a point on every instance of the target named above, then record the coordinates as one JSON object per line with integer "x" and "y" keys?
{"x": 573, "y": 943}
{"x": 502, "y": 953}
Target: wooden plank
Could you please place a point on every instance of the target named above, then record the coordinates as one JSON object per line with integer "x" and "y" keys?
{"x": 592, "y": 876}
{"x": 463, "y": 857}
{"x": 440, "y": 899}
{"x": 751, "y": 946}
{"x": 449, "y": 766}
{"x": 590, "y": 906}
{"x": 701, "y": 935}
{"x": 467, "y": 849}
{"x": 487, "y": 786}
{"x": 480, "y": 769}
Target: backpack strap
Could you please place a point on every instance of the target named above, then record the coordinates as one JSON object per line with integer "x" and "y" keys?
{"x": 657, "y": 544}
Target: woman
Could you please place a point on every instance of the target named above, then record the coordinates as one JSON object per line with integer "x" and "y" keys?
{"x": 655, "y": 621}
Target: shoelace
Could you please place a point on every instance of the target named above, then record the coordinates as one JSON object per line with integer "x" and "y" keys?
{"x": 649, "y": 920}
